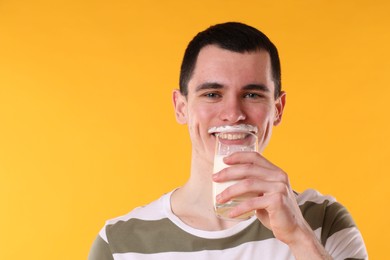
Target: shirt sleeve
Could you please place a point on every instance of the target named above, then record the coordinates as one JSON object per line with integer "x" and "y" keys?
{"x": 341, "y": 236}
{"x": 100, "y": 250}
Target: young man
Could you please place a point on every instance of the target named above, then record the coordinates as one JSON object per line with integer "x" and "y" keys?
{"x": 230, "y": 76}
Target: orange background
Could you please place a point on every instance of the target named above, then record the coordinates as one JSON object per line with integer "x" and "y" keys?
{"x": 87, "y": 129}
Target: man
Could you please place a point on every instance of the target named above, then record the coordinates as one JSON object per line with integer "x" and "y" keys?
{"x": 230, "y": 76}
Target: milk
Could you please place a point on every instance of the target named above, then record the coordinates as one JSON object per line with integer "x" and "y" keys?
{"x": 218, "y": 187}
{"x": 222, "y": 210}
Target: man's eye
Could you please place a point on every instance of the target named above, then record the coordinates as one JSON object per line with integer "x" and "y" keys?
{"x": 252, "y": 95}
{"x": 212, "y": 95}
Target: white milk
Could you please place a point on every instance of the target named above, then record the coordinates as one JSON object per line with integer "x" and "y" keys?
{"x": 218, "y": 187}
{"x": 222, "y": 210}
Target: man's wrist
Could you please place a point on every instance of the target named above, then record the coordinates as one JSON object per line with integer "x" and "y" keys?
{"x": 306, "y": 245}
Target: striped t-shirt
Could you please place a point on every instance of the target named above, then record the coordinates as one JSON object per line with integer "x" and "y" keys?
{"x": 154, "y": 232}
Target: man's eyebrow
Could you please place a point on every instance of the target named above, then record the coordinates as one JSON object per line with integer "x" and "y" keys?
{"x": 208, "y": 85}
{"x": 215, "y": 85}
{"x": 259, "y": 87}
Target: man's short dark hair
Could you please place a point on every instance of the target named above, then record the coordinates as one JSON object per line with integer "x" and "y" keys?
{"x": 232, "y": 36}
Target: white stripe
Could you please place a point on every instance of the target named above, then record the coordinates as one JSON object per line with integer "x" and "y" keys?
{"x": 103, "y": 234}
{"x": 346, "y": 243}
{"x": 314, "y": 196}
{"x": 318, "y": 232}
{"x": 152, "y": 211}
{"x": 269, "y": 249}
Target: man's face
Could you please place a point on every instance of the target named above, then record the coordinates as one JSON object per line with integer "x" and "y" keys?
{"x": 228, "y": 88}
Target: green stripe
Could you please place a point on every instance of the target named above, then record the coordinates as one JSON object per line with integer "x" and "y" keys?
{"x": 340, "y": 220}
{"x": 332, "y": 218}
{"x": 100, "y": 250}
{"x": 158, "y": 236}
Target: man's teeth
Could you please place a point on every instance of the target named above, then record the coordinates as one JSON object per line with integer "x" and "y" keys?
{"x": 232, "y": 136}
{"x": 233, "y": 128}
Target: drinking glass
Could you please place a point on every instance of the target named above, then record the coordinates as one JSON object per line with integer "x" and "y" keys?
{"x": 226, "y": 144}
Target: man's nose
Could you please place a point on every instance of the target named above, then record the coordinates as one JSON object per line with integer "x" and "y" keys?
{"x": 232, "y": 112}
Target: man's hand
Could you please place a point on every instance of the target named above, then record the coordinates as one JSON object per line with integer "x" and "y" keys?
{"x": 273, "y": 200}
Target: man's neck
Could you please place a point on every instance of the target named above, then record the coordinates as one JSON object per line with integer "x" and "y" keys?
{"x": 193, "y": 202}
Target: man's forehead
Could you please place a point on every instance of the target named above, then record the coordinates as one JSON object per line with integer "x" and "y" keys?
{"x": 214, "y": 57}
{"x": 218, "y": 68}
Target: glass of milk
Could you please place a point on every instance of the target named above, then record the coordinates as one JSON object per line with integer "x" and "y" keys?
{"x": 229, "y": 142}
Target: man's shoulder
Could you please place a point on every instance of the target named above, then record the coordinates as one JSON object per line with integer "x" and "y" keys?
{"x": 324, "y": 213}
{"x": 314, "y": 196}
{"x": 152, "y": 211}
{"x": 317, "y": 207}
{"x": 140, "y": 224}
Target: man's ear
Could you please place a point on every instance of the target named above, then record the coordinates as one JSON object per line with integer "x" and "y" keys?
{"x": 180, "y": 106}
{"x": 279, "y": 108}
